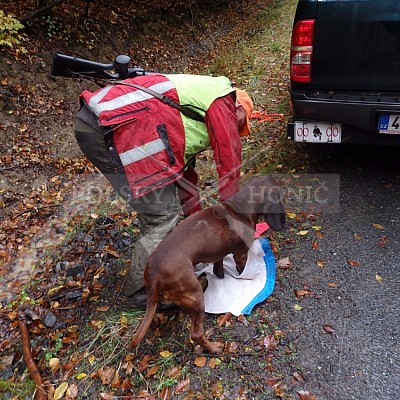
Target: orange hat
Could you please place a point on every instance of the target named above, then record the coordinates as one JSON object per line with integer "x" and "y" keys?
{"x": 245, "y": 101}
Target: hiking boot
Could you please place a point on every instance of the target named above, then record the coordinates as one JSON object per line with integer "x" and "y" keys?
{"x": 139, "y": 300}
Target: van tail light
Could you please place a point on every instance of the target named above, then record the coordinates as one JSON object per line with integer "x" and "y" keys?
{"x": 301, "y": 51}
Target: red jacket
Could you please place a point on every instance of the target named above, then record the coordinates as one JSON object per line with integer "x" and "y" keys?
{"x": 146, "y": 138}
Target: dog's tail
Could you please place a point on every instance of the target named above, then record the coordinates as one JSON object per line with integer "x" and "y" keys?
{"x": 151, "y": 308}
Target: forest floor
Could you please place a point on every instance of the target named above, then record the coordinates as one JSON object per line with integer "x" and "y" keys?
{"x": 65, "y": 240}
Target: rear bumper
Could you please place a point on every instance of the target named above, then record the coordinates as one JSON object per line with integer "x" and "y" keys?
{"x": 357, "y": 112}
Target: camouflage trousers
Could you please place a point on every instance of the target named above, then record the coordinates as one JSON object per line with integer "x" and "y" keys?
{"x": 158, "y": 212}
{"x": 154, "y": 229}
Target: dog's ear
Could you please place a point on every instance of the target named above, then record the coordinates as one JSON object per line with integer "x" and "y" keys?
{"x": 275, "y": 210}
{"x": 276, "y": 216}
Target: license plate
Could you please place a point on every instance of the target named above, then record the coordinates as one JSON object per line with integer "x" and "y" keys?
{"x": 317, "y": 132}
{"x": 389, "y": 123}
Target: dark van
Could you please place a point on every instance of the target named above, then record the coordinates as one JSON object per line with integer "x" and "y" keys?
{"x": 345, "y": 72}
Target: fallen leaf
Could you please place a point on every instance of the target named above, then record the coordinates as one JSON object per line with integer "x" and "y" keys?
{"x": 224, "y": 319}
{"x": 302, "y": 232}
{"x": 96, "y": 323}
{"x": 144, "y": 363}
{"x": 12, "y": 315}
{"x": 72, "y": 391}
{"x": 81, "y": 376}
{"x": 298, "y": 377}
{"x": 378, "y": 226}
{"x": 6, "y": 344}
{"x": 321, "y": 263}
{"x": 332, "y": 284}
{"x": 165, "y": 354}
{"x": 278, "y": 333}
{"x": 110, "y": 250}
{"x": 106, "y": 374}
{"x": 357, "y": 236}
{"x": 126, "y": 384}
{"x": 232, "y": 347}
{"x": 182, "y": 386}
{"x": 54, "y": 290}
{"x": 73, "y": 329}
{"x": 54, "y": 364}
{"x": 173, "y": 372}
{"x": 270, "y": 342}
{"x": 242, "y": 319}
{"x": 305, "y": 395}
{"x": 199, "y": 361}
{"x": 278, "y": 391}
{"x": 128, "y": 367}
{"x": 107, "y": 395}
{"x": 284, "y": 263}
{"x": 152, "y": 371}
{"x": 291, "y": 215}
{"x": 379, "y": 278}
{"x": 217, "y": 389}
{"x": 6, "y": 361}
{"x": 328, "y": 328}
{"x": 272, "y": 381}
{"x": 353, "y": 263}
{"x": 116, "y": 381}
{"x": 59, "y": 392}
{"x": 316, "y": 227}
{"x": 166, "y": 392}
{"x": 103, "y": 308}
{"x": 383, "y": 241}
{"x": 303, "y": 292}
{"x": 315, "y": 245}
{"x": 297, "y": 307}
{"x": 68, "y": 366}
{"x": 144, "y": 393}
{"x": 217, "y": 361}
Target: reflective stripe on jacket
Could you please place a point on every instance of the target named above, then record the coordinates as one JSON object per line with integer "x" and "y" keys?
{"x": 147, "y": 139}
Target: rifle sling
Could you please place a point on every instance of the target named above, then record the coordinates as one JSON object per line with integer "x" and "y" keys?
{"x": 167, "y": 100}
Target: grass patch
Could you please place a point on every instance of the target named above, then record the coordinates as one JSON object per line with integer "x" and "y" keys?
{"x": 19, "y": 390}
{"x": 259, "y": 63}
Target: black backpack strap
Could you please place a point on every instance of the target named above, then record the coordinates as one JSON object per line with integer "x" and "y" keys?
{"x": 162, "y": 131}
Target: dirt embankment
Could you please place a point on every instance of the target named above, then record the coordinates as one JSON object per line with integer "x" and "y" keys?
{"x": 82, "y": 282}
{"x": 37, "y": 110}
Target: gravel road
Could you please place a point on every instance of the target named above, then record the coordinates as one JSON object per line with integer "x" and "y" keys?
{"x": 355, "y": 286}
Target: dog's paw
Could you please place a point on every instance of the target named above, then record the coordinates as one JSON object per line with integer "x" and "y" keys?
{"x": 239, "y": 269}
{"x": 218, "y": 269}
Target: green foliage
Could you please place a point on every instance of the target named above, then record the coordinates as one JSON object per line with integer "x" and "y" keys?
{"x": 18, "y": 389}
{"x": 57, "y": 347}
{"x": 22, "y": 299}
{"x": 53, "y": 26}
{"x": 9, "y": 27}
{"x": 58, "y": 28}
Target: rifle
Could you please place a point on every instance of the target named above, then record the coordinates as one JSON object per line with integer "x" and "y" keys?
{"x": 73, "y": 67}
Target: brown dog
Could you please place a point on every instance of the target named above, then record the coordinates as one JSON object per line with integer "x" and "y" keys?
{"x": 206, "y": 237}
